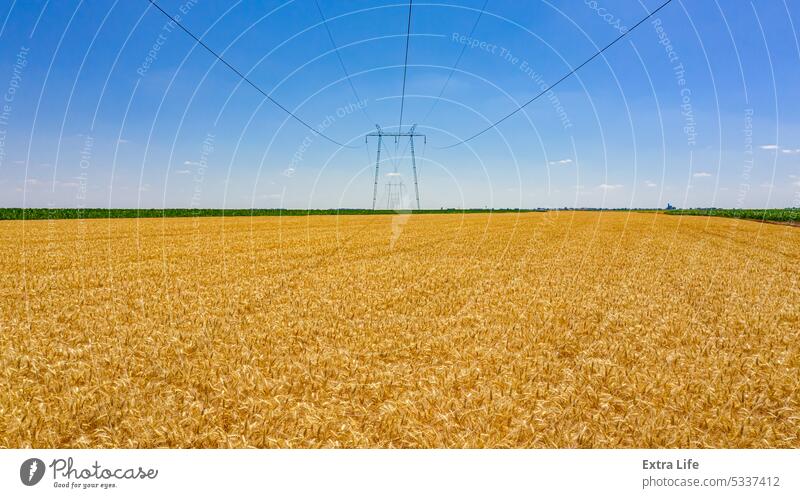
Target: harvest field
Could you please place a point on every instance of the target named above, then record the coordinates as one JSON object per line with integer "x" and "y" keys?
{"x": 558, "y": 329}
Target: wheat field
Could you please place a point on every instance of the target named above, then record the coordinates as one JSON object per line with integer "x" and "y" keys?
{"x": 559, "y": 329}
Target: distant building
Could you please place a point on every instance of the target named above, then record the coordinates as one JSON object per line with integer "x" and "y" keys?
{"x": 670, "y": 207}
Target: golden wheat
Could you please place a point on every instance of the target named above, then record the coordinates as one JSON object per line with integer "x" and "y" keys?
{"x": 556, "y": 329}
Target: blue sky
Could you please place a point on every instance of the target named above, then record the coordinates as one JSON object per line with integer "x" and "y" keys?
{"x": 697, "y": 107}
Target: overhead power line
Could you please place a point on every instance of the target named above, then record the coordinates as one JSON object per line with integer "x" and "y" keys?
{"x": 246, "y": 79}
{"x": 496, "y": 123}
{"x": 341, "y": 61}
{"x": 405, "y": 67}
{"x": 452, "y": 71}
{"x": 455, "y": 65}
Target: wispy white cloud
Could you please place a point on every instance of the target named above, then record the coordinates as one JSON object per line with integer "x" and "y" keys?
{"x": 769, "y": 147}
{"x": 650, "y": 184}
{"x": 123, "y": 141}
{"x": 561, "y": 162}
{"x": 191, "y": 163}
{"x": 701, "y": 174}
{"x": 289, "y": 172}
{"x": 182, "y": 172}
{"x": 607, "y": 186}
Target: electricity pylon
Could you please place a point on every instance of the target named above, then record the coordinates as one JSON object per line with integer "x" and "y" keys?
{"x": 411, "y": 133}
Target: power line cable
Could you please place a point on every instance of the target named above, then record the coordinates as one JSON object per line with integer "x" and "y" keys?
{"x": 341, "y": 61}
{"x": 452, "y": 71}
{"x": 455, "y": 65}
{"x": 496, "y": 123}
{"x": 405, "y": 67}
{"x": 246, "y": 79}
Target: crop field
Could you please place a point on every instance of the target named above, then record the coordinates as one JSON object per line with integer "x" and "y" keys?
{"x": 557, "y": 329}
{"x": 787, "y": 215}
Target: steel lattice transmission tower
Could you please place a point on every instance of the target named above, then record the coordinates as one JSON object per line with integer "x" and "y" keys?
{"x": 411, "y": 133}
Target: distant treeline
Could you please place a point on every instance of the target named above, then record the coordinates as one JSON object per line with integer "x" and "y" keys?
{"x": 777, "y": 215}
{"x": 63, "y": 214}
